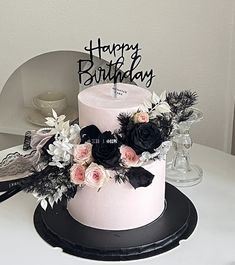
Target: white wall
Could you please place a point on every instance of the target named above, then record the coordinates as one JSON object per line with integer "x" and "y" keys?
{"x": 187, "y": 42}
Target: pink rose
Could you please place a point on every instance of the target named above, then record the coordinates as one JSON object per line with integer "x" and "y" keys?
{"x": 141, "y": 117}
{"x": 77, "y": 174}
{"x": 96, "y": 176}
{"x": 82, "y": 153}
{"x": 128, "y": 156}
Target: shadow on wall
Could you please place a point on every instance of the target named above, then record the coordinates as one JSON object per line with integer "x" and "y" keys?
{"x": 53, "y": 71}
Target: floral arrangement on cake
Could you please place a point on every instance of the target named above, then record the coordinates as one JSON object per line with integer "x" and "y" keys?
{"x": 65, "y": 157}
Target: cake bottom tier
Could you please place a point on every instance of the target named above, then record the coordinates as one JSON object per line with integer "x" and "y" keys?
{"x": 118, "y": 206}
{"x": 177, "y": 222}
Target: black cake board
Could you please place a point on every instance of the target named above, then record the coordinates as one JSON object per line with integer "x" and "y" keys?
{"x": 176, "y": 223}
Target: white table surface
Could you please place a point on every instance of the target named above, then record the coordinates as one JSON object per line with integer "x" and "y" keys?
{"x": 212, "y": 242}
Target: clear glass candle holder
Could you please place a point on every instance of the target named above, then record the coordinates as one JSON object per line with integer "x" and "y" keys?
{"x": 180, "y": 171}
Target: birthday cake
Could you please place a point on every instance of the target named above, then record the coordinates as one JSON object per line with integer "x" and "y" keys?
{"x": 116, "y": 206}
{"x": 106, "y": 170}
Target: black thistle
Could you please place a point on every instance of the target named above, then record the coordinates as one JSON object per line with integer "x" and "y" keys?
{"x": 126, "y": 125}
{"x": 47, "y": 181}
{"x": 164, "y": 123}
{"x": 181, "y": 102}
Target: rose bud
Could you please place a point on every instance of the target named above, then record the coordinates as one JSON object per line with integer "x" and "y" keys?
{"x": 141, "y": 117}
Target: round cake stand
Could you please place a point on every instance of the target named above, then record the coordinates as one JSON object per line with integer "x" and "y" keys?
{"x": 176, "y": 223}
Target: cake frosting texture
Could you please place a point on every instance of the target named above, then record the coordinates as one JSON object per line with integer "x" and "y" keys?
{"x": 98, "y": 106}
{"x": 120, "y": 206}
{"x": 116, "y": 206}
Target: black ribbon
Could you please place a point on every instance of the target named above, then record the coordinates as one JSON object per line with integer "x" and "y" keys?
{"x": 11, "y": 192}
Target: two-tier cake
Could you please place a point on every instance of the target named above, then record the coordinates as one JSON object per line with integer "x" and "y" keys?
{"x": 116, "y": 206}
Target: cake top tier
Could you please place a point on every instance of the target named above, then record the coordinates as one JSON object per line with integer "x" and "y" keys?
{"x": 102, "y": 96}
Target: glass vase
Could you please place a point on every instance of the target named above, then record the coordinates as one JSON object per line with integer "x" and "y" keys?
{"x": 180, "y": 171}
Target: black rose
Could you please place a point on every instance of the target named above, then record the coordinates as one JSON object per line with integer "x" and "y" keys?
{"x": 89, "y": 134}
{"x": 144, "y": 137}
{"x": 139, "y": 177}
{"x": 106, "y": 150}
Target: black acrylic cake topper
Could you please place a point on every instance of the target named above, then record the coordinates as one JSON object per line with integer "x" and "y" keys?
{"x": 113, "y": 69}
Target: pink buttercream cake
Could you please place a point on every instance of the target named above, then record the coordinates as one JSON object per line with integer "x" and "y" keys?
{"x": 116, "y": 206}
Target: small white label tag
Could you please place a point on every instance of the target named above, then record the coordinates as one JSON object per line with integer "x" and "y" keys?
{"x": 118, "y": 93}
